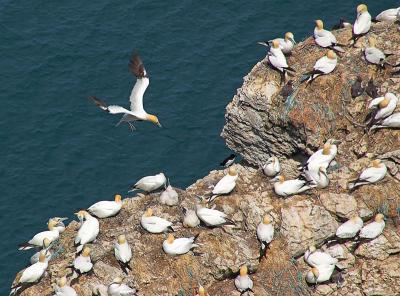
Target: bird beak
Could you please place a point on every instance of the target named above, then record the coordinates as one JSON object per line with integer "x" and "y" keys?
{"x": 263, "y": 43}
{"x": 63, "y": 219}
{"x": 337, "y": 142}
{"x": 159, "y": 124}
{"x": 274, "y": 180}
{"x": 294, "y": 42}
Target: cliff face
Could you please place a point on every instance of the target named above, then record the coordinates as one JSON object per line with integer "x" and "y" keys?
{"x": 259, "y": 122}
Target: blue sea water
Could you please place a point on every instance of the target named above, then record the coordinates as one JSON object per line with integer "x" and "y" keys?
{"x": 59, "y": 153}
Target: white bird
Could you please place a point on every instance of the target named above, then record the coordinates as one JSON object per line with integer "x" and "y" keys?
{"x": 324, "y": 156}
{"x": 106, "y": 208}
{"x": 226, "y": 184}
{"x": 123, "y": 253}
{"x": 154, "y": 224}
{"x": 60, "y": 223}
{"x": 374, "y": 55}
{"x": 271, "y": 167}
{"x": 370, "y": 175}
{"x": 82, "y": 263}
{"x": 392, "y": 121}
{"x": 317, "y": 175}
{"x": 46, "y": 248}
{"x": 323, "y": 66}
{"x": 100, "y": 290}
{"x": 88, "y": 231}
{"x": 315, "y": 257}
{"x": 286, "y": 44}
{"x": 320, "y": 274}
{"x": 136, "y": 112}
{"x": 62, "y": 289}
{"x": 190, "y": 218}
{"x": 325, "y": 38}
{"x": 388, "y": 15}
{"x": 179, "y": 246}
{"x": 212, "y": 217}
{"x": 382, "y": 107}
{"x": 373, "y": 229}
{"x": 243, "y": 282}
{"x": 169, "y": 197}
{"x": 350, "y": 228}
{"x": 278, "y": 60}
{"x": 31, "y": 275}
{"x": 117, "y": 288}
{"x": 285, "y": 188}
{"x": 150, "y": 183}
{"x": 37, "y": 241}
{"x": 362, "y": 24}
{"x": 265, "y": 234}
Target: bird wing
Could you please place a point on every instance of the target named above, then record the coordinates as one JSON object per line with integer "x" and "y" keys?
{"x": 137, "y": 68}
{"x": 362, "y": 24}
{"x": 324, "y": 65}
{"x": 323, "y": 41}
{"x": 99, "y": 103}
{"x": 278, "y": 61}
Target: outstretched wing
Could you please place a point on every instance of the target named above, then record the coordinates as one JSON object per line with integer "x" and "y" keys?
{"x": 99, "y": 103}
{"x": 137, "y": 68}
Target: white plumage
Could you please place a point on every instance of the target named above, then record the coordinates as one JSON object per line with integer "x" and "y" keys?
{"x": 243, "y": 282}
{"x": 123, "y": 252}
{"x": 285, "y": 44}
{"x": 285, "y": 188}
{"x": 265, "y": 231}
{"x": 37, "y": 241}
{"x": 370, "y": 175}
{"x": 150, "y": 183}
{"x": 154, "y": 224}
{"x": 324, "y": 156}
{"x": 363, "y": 22}
{"x": 350, "y": 228}
{"x": 179, "y": 246}
{"x": 320, "y": 274}
{"x": 315, "y": 257}
{"x": 60, "y": 226}
{"x": 325, "y": 65}
{"x": 88, "y": 231}
{"x": 190, "y": 218}
{"x": 83, "y": 263}
{"x": 390, "y": 121}
{"x": 385, "y": 105}
{"x": 317, "y": 175}
{"x": 212, "y": 217}
{"x": 45, "y": 248}
{"x": 272, "y": 167}
{"x": 169, "y": 197}
{"x": 325, "y": 38}
{"x": 373, "y": 229}
{"x": 388, "y": 15}
{"x": 277, "y": 58}
{"x": 117, "y": 288}
{"x": 226, "y": 184}
{"x": 106, "y": 208}
{"x": 62, "y": 289}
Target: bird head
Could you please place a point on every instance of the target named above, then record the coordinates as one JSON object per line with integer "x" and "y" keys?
{"x": 319, "y": 24}
{"x": 51, "y": 224}
{"x": 202, "y": 292}
{"x": 118, "y": 198}
{"x": 275, "y": 43}
{"x": 362, "y": 8}
{"x": 149, "y": 212}
{"x": 153, "y": 119}
{"x": 61, "y": 282}
{"x": 376, "y": 163}
{"x": 42, "y": 256}
{"x": 312, "y": 248}
{"x": 279, "y": 179}
{"x": 170, "y": 238}
{"x": 46, "y": 242}
{"x": 315, "y": 272}
{"x": 117, "y": 280}
{"x": 331, "y": 55}
{"x": 379, "y": 217}
{"x": 121, "y": 239}
{"x": 82, "y": 214}
{"x": 243, "y": 270}
{"x": 86, "y": 252}
{"x": 232, "y": 171}
{"x": 290, "y": 36}
{"x": 326, "y": 149}
{"x": 266, "y": 219}
{"x": 354, "y": 218}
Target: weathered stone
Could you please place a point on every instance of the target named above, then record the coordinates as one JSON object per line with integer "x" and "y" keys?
{"x": 342, "y": 205}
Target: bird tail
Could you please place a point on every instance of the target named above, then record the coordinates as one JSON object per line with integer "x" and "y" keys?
{"x": 229, "y": 222}
{"x": 374, "y": 20}
{"x": 133, "y": 188}
{"x": 212, "y": 197}
{"x": 263, "y": 250}
{"x": 14, "y": 290}
{"x": 79, "y": 249}
{"x": 25, "y": 246}
{"x": 338, "y": 48}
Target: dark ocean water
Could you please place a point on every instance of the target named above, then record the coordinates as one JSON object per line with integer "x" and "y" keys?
{"x": 59, "y": 153}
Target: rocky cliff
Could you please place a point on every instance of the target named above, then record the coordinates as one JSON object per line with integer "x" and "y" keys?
{"x": 260, "y": 123}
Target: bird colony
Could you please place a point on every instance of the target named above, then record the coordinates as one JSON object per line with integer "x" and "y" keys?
{"x": 204, "y": 215}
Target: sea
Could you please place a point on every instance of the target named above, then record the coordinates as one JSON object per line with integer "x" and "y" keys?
{"x": 60, "y": 153}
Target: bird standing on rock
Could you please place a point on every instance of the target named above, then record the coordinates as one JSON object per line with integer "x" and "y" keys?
{"x": 325, "y": 38}
{"x": 106, "y": 208}
{"x": 117, "y": 288}
{"x": 123, "y": 253}
{"x": 88, "y": 232}
{"x": 225, "y": 185}
{"x": 381, "y": 108}
{"x": 370, "y": 175}
{"x": 243, "y": 282}
{"x": 154, "y": 224}
{"x": 150, "y": 183}
{"x": 392, "y": 121}
{"x": 265, "y": 234}
{"x": 362, "y": 24}
{"x": 37, "y": 241}
{"x": 278, "y": 60}
{"x": 272, "y": 167}
{"x": 227, "y": 162}
{"x": 315, "y": 257}
{"x": 323, "y": 66}
{"x": 286, "y": 188}
{"x": 179, "y": 246}
{"x": 373, "y": 229}
{"x": 212, "y": 217}
{"x": 374, "y": 55}
{"x": 62, "y": 289}
{"x": 286, "y": 44}
{"x": 388, "y": 15}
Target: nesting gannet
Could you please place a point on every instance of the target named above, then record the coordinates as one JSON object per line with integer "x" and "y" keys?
{"x": 324, "y": 156}
{"x": 374, "y": 55}
{"x": 392, "y": 121}
{"x": 179, "y": 246}
{"x": 60, "y": 226}
{"x": 150, "y": 183}
{"x": 32, "y": 274}
{"x": 88, "y": 231}
{"x": 373, "y": 229}
{"x": 342, "y": 24}
{"x": 388, "y": 15}
{"x": 227, "y": 162}
{"x": 169, "y": 197}
{"x": 357, "y": 89}
{"x": 286, "y": 44}
{"x": 325, "y": 38}
{"x": 154, "y": 224}
{"x": 100, "y": 290}
{"x": 190, "y": 218}
{"x": 136, "y": 112}
{"x": 265, "y": 234}
{"x": 370, "y": 175}
{"x": 285, "y": 187}
{"x": 323, "y": 66}
{"x": 318, "y": 176}
{"x": 243, "y": 282}
{"x": 106, "y": 208}
{"x": 350, "y": 228}
{"x": 315, "y": 257}
{"x": 362, "y": 24}
{"x": 123, "y": 253}
{"x": 46, "y": 248}
{"x": 272, "y": 167}
{"x": 277, "y": 59}
{"x": 226, "y": 184}
{"x": 372, "y": 89}
{"x": 37, "y": 241}
{"x": 381, "y": 108}
{"x": 117, "y": 288}
{"x": 62, "y": 289}
{"x": 82, "y": 263}
{"x": 319, "y": 274}
{"x": 212, "y": 217}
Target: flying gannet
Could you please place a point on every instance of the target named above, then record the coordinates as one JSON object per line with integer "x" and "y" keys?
{"x": 179, "y": 246}
{"x": 225, "y": 185}
{"x": 106, "y": 208}
{"x": 362, "y": 24}
{"x": 323, "y": 66}
{"x": 286, "y": 44}
{"x": 123, "y": 253}
{"x": 265, "y": 234}
{"x": 243, "y": 282}
{"x": 370, "y": 175}
{"x": 325, "y": 38}
{"x": 150, "y": 183}
{"x": 88, "y": 232}
{"x": 117, "y": 288}
{"x": 136, "y": 112}
{"x": 278, "y": 60}
{"x": 154, "y": 224}
{"x": 62, "y": 289}
{"x": 37, "y": 241}
{"x": 272, "y": 167}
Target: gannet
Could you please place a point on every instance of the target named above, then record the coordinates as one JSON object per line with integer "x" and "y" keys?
{"x": 46, "y": 248}
{"x": 179, "y": 246}
{"x": 150, "y": 183}
{"x": 88, "y": 232}
{"x": 285, "y": 188}
{"x": 136, "y": 112}
{"x": 154, "y": 224}
{"x": 372, "y": 89}
{"x": 212, "y": 217}
{"x": 325, "y": 38}
{"x": 362, "y": 23}
{"x": 123, "y": 253}
{"x": 370, "y": 175}
{"x": 60, "y": 223}
{"x": 227, "y": 162}
{"x": 392, "y": 121}
{"x": 106, "y": 208}
{"x": 169, "y": 197}
{"x": 117, "y": 288}
{"x": 320, "y": 274}
{"x": 317, "y": 175}
{"x": 226, "y": 184}
{"x": 37, "y": 241}
{"x": 190, "y": 219}
{"x": 315, "y": 257}
{"x": 243, "y": 282}
{"x": 82, "y": 263}
{"x": 32, "y": 274}
{"x": 286, "y": 44}
{"x": 357, "y": 89}
{"x": 381, "y": 108}
{"x": 388, "y": 15}
{"x": 373, "y": 229}
{"x": 202, "y": 292}
{"x": 277, "y": 59}
{"x": 100, "y": 290}
{"x": 374, "y": 55}
{"x": 324, "y": 156}
{"x": 323, "y": 66}
{"x": 62, "y": 289}
{"x": 342, "y": 24}
{"x": 265, "y": 234}
{"x": 271, "y": 167}
{"x": 350, "y": 228}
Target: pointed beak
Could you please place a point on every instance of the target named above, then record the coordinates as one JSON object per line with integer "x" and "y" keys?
{"x": 263, "y": 43}
{"x": 159, "y": 124}
{"x": 294, "y": 42}
{"x": 273, "y": 180}
{"x": 63, "y": 219}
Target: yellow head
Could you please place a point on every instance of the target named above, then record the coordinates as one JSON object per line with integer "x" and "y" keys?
{"x": 362, "y": 8}
{"x": 149, "y": 212}
{"x": 117, "y": 280}
{"x": 354, "y": 218}
{"x": 86, "y": 252}
{"x": 52, "y": 223}
{"x": 379, "y": 217}
{"x": 266, "y": 219}
{"x": 289, "y": 36}
{"x": 384, "y": 103}
{"x": 331, "y": 55}
{"x": 82, "y": 214}
{"x": 42, "y": 256}
{"x": 312, "y": 248}
{"x": 315, "y": 272}
{"x": 61, "y": 282}
{"x": 372, "y": 41}
{"x": 118, "y": 198}
{"x": 46, "y": 242}
{"x": 153, "y": 119}
{"x": 275, "y": 43}
{"x": 319, "y": 24}
{"x": 281, "y": 179}
{"x": 376, "y": 163}
{"x": 170, "y": 238}
{"x": 326, "y": 149}
{"x": 243, "y": 270}
{"x": 232, "y": 171}
{"x": 121, "y": 239}
{"x": 202, "y": 292}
